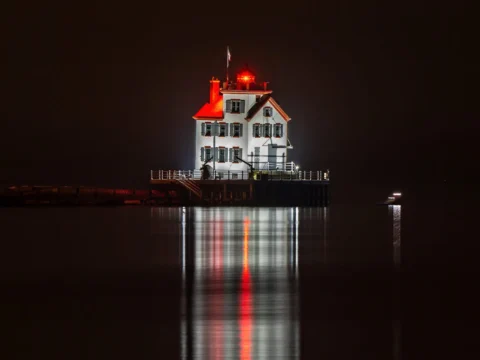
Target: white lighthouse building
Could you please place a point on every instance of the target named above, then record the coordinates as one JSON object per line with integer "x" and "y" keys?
{"x": 241, "y": 121}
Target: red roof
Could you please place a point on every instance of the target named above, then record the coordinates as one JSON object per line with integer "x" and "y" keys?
{"x": 211, "y": 111}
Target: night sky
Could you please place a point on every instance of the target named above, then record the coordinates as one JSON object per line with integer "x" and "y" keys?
{"x": 100, "y": 94}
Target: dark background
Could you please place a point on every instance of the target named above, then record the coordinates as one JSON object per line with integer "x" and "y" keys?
{"x": 100, "y": 94}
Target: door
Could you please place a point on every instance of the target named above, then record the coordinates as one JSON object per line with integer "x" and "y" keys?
{"x": 272, "y": 157}
{"x": 256, "y": 160}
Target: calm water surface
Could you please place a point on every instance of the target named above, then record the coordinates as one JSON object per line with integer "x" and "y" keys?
{"x": 214, "y": 283}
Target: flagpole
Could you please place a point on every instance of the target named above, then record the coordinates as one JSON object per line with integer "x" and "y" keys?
{"x": 228, "y": 60}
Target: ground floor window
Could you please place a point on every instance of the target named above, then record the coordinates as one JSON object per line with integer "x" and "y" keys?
{"x": 222, "y": 154}
{"x": 208, "y": 153}
{"x": 236, "y": 153}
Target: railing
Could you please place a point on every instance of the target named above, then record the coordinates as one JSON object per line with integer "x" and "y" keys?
{"x": 186, "y": 176}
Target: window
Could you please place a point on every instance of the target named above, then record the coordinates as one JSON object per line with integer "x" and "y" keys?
{"x": 278, "y": 130}
{"x": 223, "y": 130}
{"x": 267, "y": 130}
{"x": 256, "y": 130}
{"x": 236, "y": 129}
{"x": 208, "y": 129}
{"x": 235, "y": 106}
{"x": 234, "y": 153}
{"x": 208, "y": 153}
{"x": 221, "y": 154}
{"x": 267, "y": 111}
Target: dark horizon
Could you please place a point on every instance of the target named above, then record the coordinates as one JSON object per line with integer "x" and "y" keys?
{"x": 99, "y": 96}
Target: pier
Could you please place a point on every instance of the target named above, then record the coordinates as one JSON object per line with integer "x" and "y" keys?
{"x": 255, "y": 188}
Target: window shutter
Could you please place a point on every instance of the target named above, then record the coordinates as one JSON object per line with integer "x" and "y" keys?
{"x": 241, "y": 130}
{"x": 240, "y": 153}
{"x": 203, "y": 129}
{"x": 281, "y": 130}
{"x": 202, "y": 153}
{"x": 231, "y": 129}
{"x": 226, "y": 129}
{"x": 260, "y": 130}
{"x": 228, "y": 106}
{"x": 230, "y": 154}
{"x": 242, "y": 106}
{"x": 253, "y": 129}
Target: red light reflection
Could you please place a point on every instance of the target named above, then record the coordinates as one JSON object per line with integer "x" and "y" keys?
{"x": 245, "y": 301}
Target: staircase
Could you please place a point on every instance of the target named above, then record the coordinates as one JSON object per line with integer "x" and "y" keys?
{"x": 190, "y": 185}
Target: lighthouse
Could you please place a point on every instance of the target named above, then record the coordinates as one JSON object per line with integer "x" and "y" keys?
{"x": 241, "y": 127}
{"x": 241, "y": 153}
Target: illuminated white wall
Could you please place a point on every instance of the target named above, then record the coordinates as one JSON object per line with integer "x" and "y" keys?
{"x": 247, "y": 142}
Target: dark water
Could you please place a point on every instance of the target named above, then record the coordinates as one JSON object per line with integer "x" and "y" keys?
{"x": 350, "y": 281}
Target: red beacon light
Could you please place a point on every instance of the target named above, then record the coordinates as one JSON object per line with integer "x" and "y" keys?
{"x": 246, "y": 77}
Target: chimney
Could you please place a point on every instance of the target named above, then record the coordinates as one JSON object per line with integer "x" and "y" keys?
{"x": 265, "y": 85}
{"x": 214, "y": 90}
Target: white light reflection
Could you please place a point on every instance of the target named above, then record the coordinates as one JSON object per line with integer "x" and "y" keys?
{"x": 296, "y": 242}
{"x": 245, "y": 295}
{"x": 396, "y": 212}
{"x": 397, "y": 240}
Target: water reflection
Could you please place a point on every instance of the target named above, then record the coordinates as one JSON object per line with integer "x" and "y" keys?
{"x": 396, "y": 213}
{"x": 240, "y": 295}
{"x": 397, "y": 240}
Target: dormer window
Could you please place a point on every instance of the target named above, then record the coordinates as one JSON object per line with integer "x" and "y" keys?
{"x": 235, "y": 106}
{"x": 267, "y": 111}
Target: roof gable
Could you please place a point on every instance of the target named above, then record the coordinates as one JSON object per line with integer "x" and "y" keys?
{"x": 267, "y": 98}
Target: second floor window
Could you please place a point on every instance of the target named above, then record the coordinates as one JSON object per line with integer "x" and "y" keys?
{"x": 236, "y": 130}
{"x": 222, "y": 130}
{"x": 256, "y": 130}
{"x": 267, "y": 130}
{"x": 208, "y": 129}
{"x": 278, "y": 130}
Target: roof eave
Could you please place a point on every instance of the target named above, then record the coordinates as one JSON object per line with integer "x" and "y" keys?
{"x": 207, "y": 118}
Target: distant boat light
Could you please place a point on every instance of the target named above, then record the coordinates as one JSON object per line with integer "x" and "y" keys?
{"x": 397, "y": 194}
